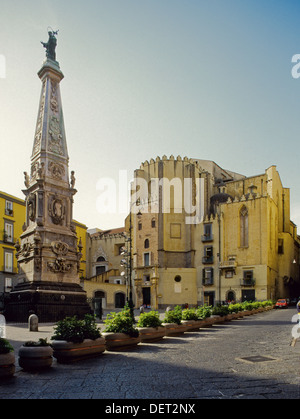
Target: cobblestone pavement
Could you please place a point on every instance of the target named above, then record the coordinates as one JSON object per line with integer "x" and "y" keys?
{"x": 209, "y": 364}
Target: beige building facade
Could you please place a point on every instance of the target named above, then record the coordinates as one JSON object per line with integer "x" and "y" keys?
{"x": 105, "y": 287}
{"x": 204, "y": 234}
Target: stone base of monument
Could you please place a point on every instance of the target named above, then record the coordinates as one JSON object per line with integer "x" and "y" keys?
{"x": 49, "y": 301}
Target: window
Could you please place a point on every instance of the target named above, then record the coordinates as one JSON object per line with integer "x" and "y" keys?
{"x": 8, "y": 284}
{"x": 8, "y": 261}
{"x": 280, "y": 246}
{"x": 244, "y": 227}
{"x": 8, "y": 208}
{"x": 208, "y": 255}
{"x": 147, "y": 244}
{"x": 208, "y": 276}
{"x": 8, "y": 232}
{"x": 248, "y": 279}
{"x": 207, "y": 230}
{"x": 153, "y": 223}
{"x": 177, "y": 278}
{"x": 146, "y": 259}
{"x": 140, "y": 226}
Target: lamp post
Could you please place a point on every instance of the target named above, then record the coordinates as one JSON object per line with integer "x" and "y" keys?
{"x": 128, "y": 263}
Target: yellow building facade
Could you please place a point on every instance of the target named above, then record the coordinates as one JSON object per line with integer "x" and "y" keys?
{"x": 12, "y": 212}
{"x": 211, "y": 235}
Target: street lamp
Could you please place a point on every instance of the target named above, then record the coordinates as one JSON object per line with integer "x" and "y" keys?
{"x": 128, "y": 263}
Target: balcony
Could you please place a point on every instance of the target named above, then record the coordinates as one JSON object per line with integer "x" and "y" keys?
{"x": 207, "y": 238}
{"x": 8, "y": 269}
{"x": 9, "y": 239}
{"x": 9, "y": 212}
{"x": 247, "y": 282}
{"x": 228, "y": 264}
{"x": 208, "y": 281}
{"x": 207, "y": 260}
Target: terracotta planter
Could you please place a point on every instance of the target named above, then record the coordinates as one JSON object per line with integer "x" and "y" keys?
{"x": 208, "y": 322}
{"x": 35, "y": 358}
{"x": 151, "y": 334}
{"x": 66, "y": 352}
{"x": 7, "y": 365}
{"x": 229, "y": 317}
{"x": 120, "y": 341}
{"x": 191, "y": 325}
{"x": 218, "y": 319}
{"x": 174, "y": 329}
{"x": 201, "y": 323}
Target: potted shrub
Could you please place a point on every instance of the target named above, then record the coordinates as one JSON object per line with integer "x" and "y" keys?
{"x": 204, "y": 316}
{"x": 7, "y": 359}
{"x": 120, "y": 332}
{"x": 76, "y": 339}
{"x": 35, "y": 355}
{"x": 219, "y": 312}
{"x": 172, "y": 322}
{"x": 190, "y": 319}
{"x": 236, "y": 310}
{"x": 150, "y": 327}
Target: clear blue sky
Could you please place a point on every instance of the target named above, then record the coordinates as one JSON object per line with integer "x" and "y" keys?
{"x": 208, "y": 79}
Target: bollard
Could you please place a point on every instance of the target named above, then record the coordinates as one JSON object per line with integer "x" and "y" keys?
{"x": 33, "y": 323}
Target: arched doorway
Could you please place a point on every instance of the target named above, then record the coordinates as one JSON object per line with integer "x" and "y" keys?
{"x": 231, "y": 296}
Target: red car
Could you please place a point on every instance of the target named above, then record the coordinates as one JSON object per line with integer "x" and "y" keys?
{"x": 282, "y": 303}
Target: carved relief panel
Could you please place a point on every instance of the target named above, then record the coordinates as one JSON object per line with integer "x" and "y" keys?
{"x": 57, "y": 210}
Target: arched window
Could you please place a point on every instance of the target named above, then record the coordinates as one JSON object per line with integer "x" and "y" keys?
{"x": 147, "y": 244}
{"x": 101, "y": 259}
{"x": 244, "y": 227}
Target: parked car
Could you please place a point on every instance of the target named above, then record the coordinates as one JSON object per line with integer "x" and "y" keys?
{"x": 282, "y": 303}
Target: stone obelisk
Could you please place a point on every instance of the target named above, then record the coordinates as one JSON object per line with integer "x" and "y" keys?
{"x": 48, "y": 252}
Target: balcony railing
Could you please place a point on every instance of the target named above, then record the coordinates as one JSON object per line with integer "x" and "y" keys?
{"x": 207, "y": 259}
{"x": 208, "y": 281}
{"x": 8, "y": 270}
{"x": 207, "y": 238}
{"x": 247, "y": 282}
{"x": 227, "y": 264}
{"x": 9, "y": 239}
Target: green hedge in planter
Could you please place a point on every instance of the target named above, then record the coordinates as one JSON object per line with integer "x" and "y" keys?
{"x": 5, "y": 346}
{"x": 150, "y": 319}
{"x": 204, "y": 312}
{"x": 173, "y": 316}
{"x": 220, "y": 311}
{"x": 121, "y": 322}
{"x": 189, "y": 314}
{"x": 71, "y": 329}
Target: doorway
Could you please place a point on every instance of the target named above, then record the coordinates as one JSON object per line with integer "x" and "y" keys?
{"x": 147, "y": 296}
{"x": 248, "y": 295}
{"x": 119, "y": 300}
